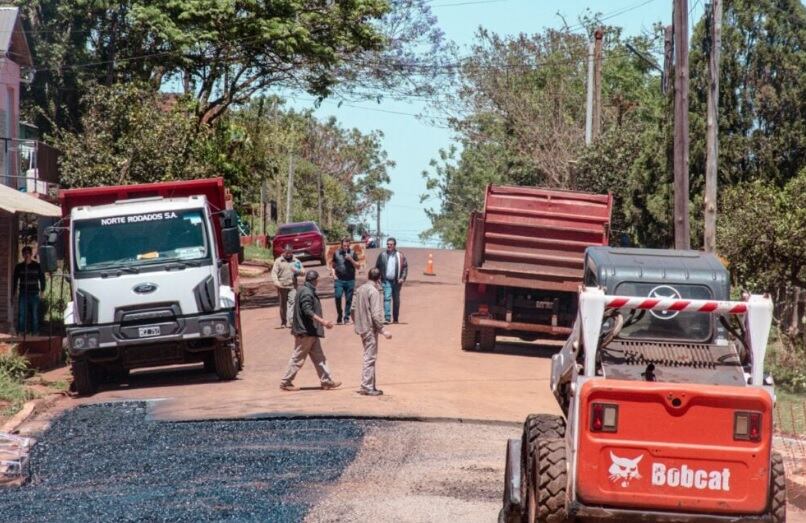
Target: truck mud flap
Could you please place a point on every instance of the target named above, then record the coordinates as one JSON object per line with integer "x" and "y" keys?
{"x": 513, "y": 508}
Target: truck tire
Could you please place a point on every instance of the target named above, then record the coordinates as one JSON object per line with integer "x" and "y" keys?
{"x": 487, "y": 339}
{"x": 548, "y": 480}
{"x": 777, "y": 488}
{"x": 85, "y": 377}
{"x": 535, "y": 428}
{"x": 468, "y": 335}
{"x": 226, "y": 361}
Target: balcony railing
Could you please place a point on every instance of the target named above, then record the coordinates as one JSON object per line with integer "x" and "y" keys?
{"x": 37, "y": 167}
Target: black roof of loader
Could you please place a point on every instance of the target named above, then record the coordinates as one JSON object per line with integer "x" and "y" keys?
{"x": 609, "y": 266}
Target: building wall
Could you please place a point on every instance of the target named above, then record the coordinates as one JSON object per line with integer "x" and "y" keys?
{"x": 9, "y": 121}
{"x": 8, "y": 258}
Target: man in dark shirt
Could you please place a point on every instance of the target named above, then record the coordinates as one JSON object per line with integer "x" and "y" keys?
{"x": 30, "y": 280}
{"x": 342, "y": 267}
{"x": 308, "y": 327}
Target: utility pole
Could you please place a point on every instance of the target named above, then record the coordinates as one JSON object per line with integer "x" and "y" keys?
{"x": 597, "y": 83}
{"x": 378, "y": 223}
{"x": 668, "y": 58}
{"x": 319, "y": 195}
{"x": 589, "y": 98}
{"x": 712, "y": 126}
{"x": 290, "y": 187}
{"x": 682, "y": 233}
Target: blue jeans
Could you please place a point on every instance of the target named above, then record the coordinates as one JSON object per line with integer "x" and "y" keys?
{"x": 391, "y": 300}
{"x": 344, "y": 288}
{"x": 28, "y": 314}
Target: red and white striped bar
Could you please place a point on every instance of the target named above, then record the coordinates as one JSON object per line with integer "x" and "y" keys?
{"x": 671, "y": 304}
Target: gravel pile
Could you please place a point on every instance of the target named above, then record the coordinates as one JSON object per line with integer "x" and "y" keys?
{"x": 108, "y": 463}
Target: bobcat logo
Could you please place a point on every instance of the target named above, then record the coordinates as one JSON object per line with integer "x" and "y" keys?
{"x": 624, "y": 469}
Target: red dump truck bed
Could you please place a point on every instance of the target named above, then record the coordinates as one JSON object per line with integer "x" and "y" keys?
{"x": 524, "y": 262}
{"x": 535, "y": 238}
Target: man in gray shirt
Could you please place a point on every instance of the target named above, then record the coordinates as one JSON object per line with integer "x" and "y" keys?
{"x": 368, "y": 317}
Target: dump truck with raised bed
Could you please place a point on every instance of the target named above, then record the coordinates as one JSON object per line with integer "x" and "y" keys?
{"x": 154, "y": 272}
{"x": 667, "y": 414}
{"x": 523, "y": 262}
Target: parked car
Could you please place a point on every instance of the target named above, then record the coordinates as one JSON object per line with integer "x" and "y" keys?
{"x": 305, "y": 238}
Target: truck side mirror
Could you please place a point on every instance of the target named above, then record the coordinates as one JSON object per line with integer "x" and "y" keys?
{"x": 47, "y": 258}
{"x": 229, "y": 218}
{"x": 231, "y": 240}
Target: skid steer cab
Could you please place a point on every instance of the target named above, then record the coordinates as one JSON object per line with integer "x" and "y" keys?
{"x": 667, "y": 412}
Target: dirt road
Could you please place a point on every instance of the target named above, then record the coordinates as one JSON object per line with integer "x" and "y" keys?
{"x": 422, "y": 370}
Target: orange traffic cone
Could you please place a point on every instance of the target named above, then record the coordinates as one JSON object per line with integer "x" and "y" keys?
{"x": 429, "y": 267}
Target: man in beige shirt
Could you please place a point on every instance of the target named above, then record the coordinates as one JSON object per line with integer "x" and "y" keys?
{"x": 284, "y": 274}
{"x": 368, "y": 318}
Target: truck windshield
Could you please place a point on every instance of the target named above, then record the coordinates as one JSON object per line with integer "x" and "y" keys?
{"x": 296, "y": 228}
{"x": 140, "y": 239}
{"x": 667, "y": 325}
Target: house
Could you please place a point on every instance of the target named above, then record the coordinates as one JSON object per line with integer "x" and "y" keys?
{"x": 21, "y": 199}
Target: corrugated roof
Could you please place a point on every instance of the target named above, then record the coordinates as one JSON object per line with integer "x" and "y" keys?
{"x": 12, "y": 37}
{"x": 15, "y": 201}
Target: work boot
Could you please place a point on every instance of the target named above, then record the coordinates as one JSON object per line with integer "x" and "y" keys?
{"x": 329, "y": 385}
{"x": 373, "y": 392}
{"x": 289, "y": 387}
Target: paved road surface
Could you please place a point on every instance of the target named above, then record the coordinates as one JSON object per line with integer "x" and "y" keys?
{"x": 422, "y": 371}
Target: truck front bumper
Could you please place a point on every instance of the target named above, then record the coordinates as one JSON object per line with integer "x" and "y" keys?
{"x": 87, "y": 340}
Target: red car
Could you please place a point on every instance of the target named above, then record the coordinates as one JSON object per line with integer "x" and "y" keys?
{"x": 305, "y": 238}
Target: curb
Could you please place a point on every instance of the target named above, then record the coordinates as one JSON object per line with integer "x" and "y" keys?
{"x": 27, "y": 411}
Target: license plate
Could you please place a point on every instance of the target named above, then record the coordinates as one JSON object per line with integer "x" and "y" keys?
{"x": 145, "y": 332}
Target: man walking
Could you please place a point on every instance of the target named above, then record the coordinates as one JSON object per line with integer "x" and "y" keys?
{"x": 368, "y": 324}
{"x": 284, "y": 275}
{"x": 394, "y": 270}
{"x": 308, "y": 327}
{"x": 30, "y": 280}
{"x": 342, "y": 267}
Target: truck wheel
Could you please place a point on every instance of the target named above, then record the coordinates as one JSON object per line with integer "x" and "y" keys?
{"x": 535, "y": 428}
{"x": 468, "y": 336}
{"x": 548, "y": 479}
{"x": 226, "y": 362}
{"x": 85, "y": 377}
{"x": 487, "y": 339}
{"x": 777, "y": 488}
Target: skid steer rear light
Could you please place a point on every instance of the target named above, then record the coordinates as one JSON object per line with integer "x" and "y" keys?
{"x": 604, "y": 417}
{"x": 747, "y": 426}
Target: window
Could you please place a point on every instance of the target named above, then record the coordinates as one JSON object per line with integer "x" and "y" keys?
{"x": 297, "y": 228}
{"x": 667, "y": 325}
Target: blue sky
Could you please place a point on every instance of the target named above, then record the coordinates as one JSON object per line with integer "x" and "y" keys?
{"x": 412, "y": 143}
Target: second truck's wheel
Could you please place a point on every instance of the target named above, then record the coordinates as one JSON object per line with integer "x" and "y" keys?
{"x": 547, "y": 483}
{"x": 226, "y": 362}
{"x": 777, "y": 489}
{"x": 468, "y": 336}
{"x": 85, "y": 377}
{"x": 487, "y": 339}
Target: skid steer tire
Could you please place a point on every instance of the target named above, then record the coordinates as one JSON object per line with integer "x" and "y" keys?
{"x": 226, "y": 362}
{"x": 85, "y": 377}
{"x": 777, "y": 488}
{"x": 487, "y": 339}
{"x": 548, "y": 480}
{"x": 535, "y": 428}
{"x": 468, "y": 336}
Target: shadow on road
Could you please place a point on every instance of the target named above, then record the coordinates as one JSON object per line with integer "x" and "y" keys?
{"x": 533, "y": 350}
{"x": 177, "y": 376}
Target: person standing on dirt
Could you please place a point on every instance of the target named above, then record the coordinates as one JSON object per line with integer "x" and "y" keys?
{"x": 394, "y": 270}
{"x": 30, "y": 280}
{"x": 368, "y": 316}
{"x": 284, "y": 274}
{"x": 343, "y": 266}
{"x": 308, "y": 327}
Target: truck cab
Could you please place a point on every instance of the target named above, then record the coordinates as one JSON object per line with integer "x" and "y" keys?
{"x": 154, "y": 279}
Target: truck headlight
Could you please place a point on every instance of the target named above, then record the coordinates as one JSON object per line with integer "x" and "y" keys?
{"x": 220, "y": 328}
{"x": 85, "y": 340}
{"x": 79, "y": 342}
{"x": 207, "y": 328}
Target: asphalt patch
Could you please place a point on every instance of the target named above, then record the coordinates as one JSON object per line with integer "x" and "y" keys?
{"x": 109, "y": 463}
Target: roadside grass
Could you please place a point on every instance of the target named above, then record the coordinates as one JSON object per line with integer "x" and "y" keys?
{"x": 20, "y": 383}
{"x": 14, "y": 393}
{"x": 255, "y": 253}
{"x": 790, "y": 412}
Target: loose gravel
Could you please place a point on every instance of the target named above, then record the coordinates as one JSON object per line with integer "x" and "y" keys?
{"x": 109, "y": 463}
